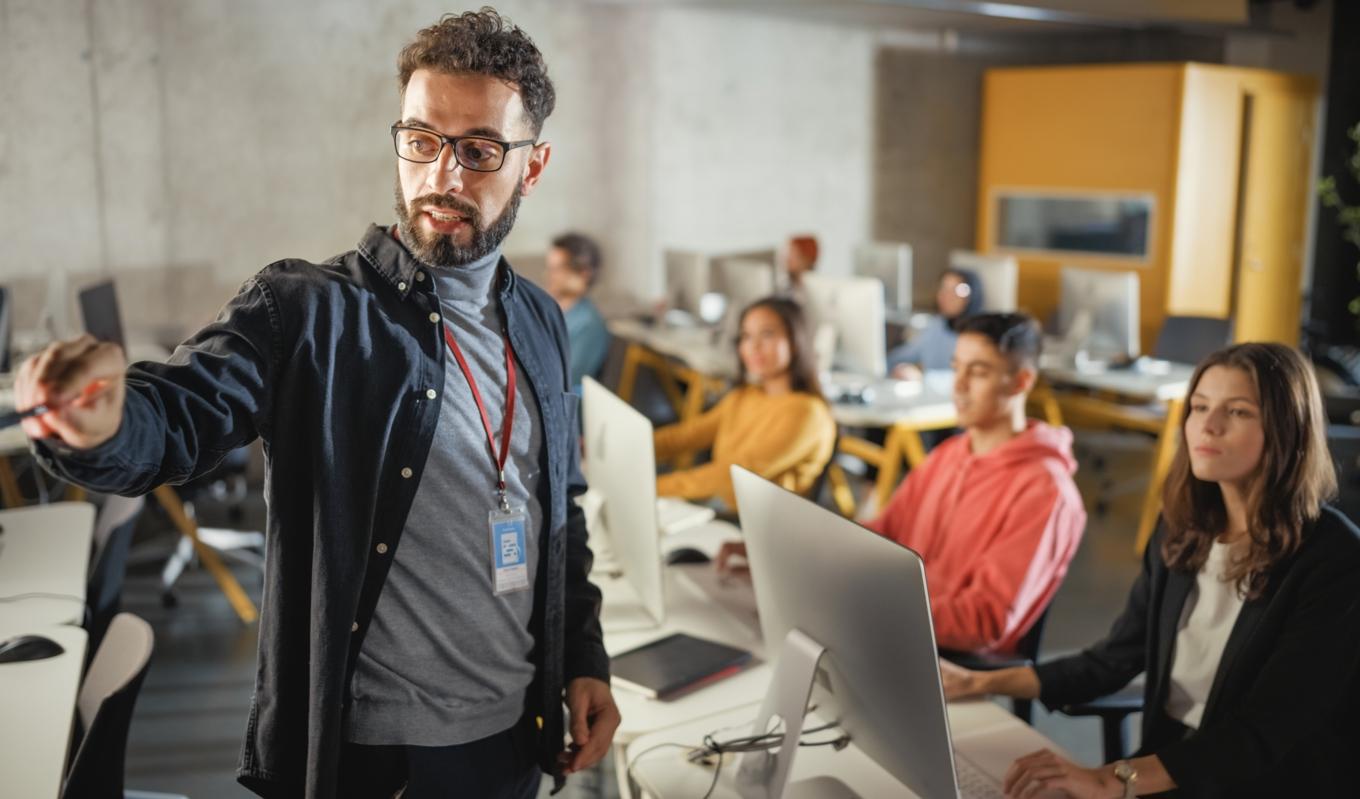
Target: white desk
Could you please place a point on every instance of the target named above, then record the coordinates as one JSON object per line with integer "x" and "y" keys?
{"x": 45, "y": 550}
{"x": 688, "y": 609}
{"x": 1133, "y": 399}
{"x": 38, "y": 704}
{"x": 986, "y": 734}
{"x": 1132, "y": 385}
{"x": 904, "y": 408}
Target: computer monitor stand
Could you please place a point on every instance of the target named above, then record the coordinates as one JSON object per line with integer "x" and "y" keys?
{"x": 763, "y": 775}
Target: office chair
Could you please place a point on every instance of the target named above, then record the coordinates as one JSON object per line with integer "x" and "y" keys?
{"x": 1026, "y": 654}
{"x": 1113, "y": 711}
{"x": 113, "y": 529}
{"x": 225, "y": 482}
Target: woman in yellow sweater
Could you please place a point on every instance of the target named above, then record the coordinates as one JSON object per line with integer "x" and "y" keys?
{"x": 776, "y": 423}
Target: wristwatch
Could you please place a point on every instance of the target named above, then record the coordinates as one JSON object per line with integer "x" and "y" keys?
{"x": 1128, "y": 775}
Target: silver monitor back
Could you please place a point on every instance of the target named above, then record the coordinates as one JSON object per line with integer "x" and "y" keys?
{"x": 863, "y": 597}
{"x": 890, "y": 262}
{"x": 620, "y": 465}
{"x": 742, "y": 281}
{"x": 1103, "y": 305}
{"x": 999, "y": 275}
{"x": 687, "y": 279}
{"x": 854, "y": 308}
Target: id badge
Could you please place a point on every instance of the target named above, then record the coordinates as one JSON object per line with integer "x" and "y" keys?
{"x": 509, "y": 567}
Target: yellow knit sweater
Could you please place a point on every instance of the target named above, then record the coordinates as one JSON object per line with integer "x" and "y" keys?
{"x": 787, "y": 439}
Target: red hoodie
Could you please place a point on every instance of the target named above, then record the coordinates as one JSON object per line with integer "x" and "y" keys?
{"x": 996, "y": 532}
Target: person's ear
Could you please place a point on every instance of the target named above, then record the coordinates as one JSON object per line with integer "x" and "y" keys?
{"x": 533, "y": 169}
{"x": 1025, "y": 378}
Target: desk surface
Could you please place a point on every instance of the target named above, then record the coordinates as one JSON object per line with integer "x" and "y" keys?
{"x": 1130, "y": 384}
{"x": 984, "y": 733}
{"x": 38, "y": 703}
{"x": 889, "y": 402}
{"x": 45, "y": 551}
{"x": 691, "y": 610}
{"x": 700, "y": 348}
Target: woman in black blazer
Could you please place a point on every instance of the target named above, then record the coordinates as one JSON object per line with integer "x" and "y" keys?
{"x": 1245, "y": 619}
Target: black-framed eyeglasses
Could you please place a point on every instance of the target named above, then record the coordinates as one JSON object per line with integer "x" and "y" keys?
{"x": 477, "y": 153}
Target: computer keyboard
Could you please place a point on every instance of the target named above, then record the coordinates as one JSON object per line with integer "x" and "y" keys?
{"x": 974, "y": 784}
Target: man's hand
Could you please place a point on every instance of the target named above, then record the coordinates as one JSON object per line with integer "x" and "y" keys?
{"x": 81, "y": 383}
{"x": 594, "y": 718}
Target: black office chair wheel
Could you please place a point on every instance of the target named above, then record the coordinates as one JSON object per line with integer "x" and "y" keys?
{"x": 169, "y": 600}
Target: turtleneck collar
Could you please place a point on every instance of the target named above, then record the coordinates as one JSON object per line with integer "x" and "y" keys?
{"x": 469, "y": 283}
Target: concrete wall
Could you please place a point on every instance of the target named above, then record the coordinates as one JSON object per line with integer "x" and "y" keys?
{"x": 180, "y": 146}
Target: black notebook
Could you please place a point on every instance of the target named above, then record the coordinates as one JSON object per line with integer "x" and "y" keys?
{"x": 676, "y": 664}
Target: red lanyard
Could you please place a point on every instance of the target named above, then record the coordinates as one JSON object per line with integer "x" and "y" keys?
{"x": 507, "y": 424}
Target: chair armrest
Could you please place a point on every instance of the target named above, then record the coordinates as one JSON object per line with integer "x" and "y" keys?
{"x": 982, "y": 661}
{"x": 1116, "y": 705}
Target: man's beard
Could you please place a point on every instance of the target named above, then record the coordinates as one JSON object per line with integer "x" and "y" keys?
{"x": 439, "y": 250}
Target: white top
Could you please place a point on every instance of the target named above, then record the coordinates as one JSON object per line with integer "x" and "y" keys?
{"x": 1210, "y": 612}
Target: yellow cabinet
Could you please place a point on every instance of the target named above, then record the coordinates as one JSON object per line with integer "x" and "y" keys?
{"x": 1197, "y": 177}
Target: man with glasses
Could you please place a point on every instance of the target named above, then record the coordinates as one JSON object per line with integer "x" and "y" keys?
{"x": 410, "y": 392}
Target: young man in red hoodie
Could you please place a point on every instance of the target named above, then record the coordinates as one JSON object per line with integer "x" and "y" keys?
{"x": 993, "y": 512}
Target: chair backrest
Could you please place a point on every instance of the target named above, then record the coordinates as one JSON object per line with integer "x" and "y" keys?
{"x": 1028, "y": 645}
{"x": 104, "y": 709}
{"x": 1188, "y": 339}
{"x": 113, "y": 529}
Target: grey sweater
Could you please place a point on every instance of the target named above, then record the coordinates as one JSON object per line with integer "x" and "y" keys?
{"x": 446, "y": 661}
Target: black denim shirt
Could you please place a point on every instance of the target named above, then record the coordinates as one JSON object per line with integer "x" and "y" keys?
{"x": 329, "y": 365}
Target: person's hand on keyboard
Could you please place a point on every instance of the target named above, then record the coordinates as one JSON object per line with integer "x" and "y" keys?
{"x": 1045, "y": 774}
{"x": 80, "y": 382}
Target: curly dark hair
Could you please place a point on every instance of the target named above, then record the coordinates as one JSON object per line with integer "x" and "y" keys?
{"x": 485, "y": 43}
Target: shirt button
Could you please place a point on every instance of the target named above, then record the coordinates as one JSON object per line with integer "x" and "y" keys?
{"x": 420, "y": 277}
{"x": 434, "y": 317}
{"x": 401, "y": 287}
{"x": 354, "y": 628}
{"x": 382, "y": 549}
{"x": 431, "y": 393}
{"x": 406, "y": 472}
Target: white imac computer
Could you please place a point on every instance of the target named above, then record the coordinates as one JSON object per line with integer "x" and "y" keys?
{"x": 742, "y": 282}
{"x": 846, "y": 614}
{"x": 687, "y": 281}
{"x": 854, "y": 308}
{"x": 999, "y": 275}
{"x": 1098, "y": 313}
{"x": 890, "y": 262}
{"x": 621, "y": 466}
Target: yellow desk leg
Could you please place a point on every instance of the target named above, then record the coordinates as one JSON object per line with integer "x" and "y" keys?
{"x": 9, "y": 486}
{"x": 226, "y": 581}
{"x": 1043, "y": 395}
{"x": 75, "y": 493}
{"x": 890, "y": 469}
{"x": 840, "y": 491}
{"x": 1161, "y": 466}
{"x": 628, "y": 380}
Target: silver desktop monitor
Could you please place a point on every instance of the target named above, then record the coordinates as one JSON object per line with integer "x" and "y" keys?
{"x": 854, "y": 308}
{"x": 687, "y": 280}
{"x": 863, "y": 598}
{"x": 742, "y": 282}
{"x": 1098, "y": 312}
{"x": 998, "y": 274}
{"x": 890, "y": 262}
{"x": 621, "y": 467}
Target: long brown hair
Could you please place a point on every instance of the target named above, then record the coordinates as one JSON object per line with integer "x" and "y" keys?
{"x": 1294, "y": 478}
{"x": 802, "y": 358}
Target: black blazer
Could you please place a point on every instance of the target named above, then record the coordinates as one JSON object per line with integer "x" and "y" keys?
{"x": 1283, "y": 713}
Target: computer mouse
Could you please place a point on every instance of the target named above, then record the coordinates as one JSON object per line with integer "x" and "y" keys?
{"x": 686, "y": 555}
{"x": 23, "y": 648}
